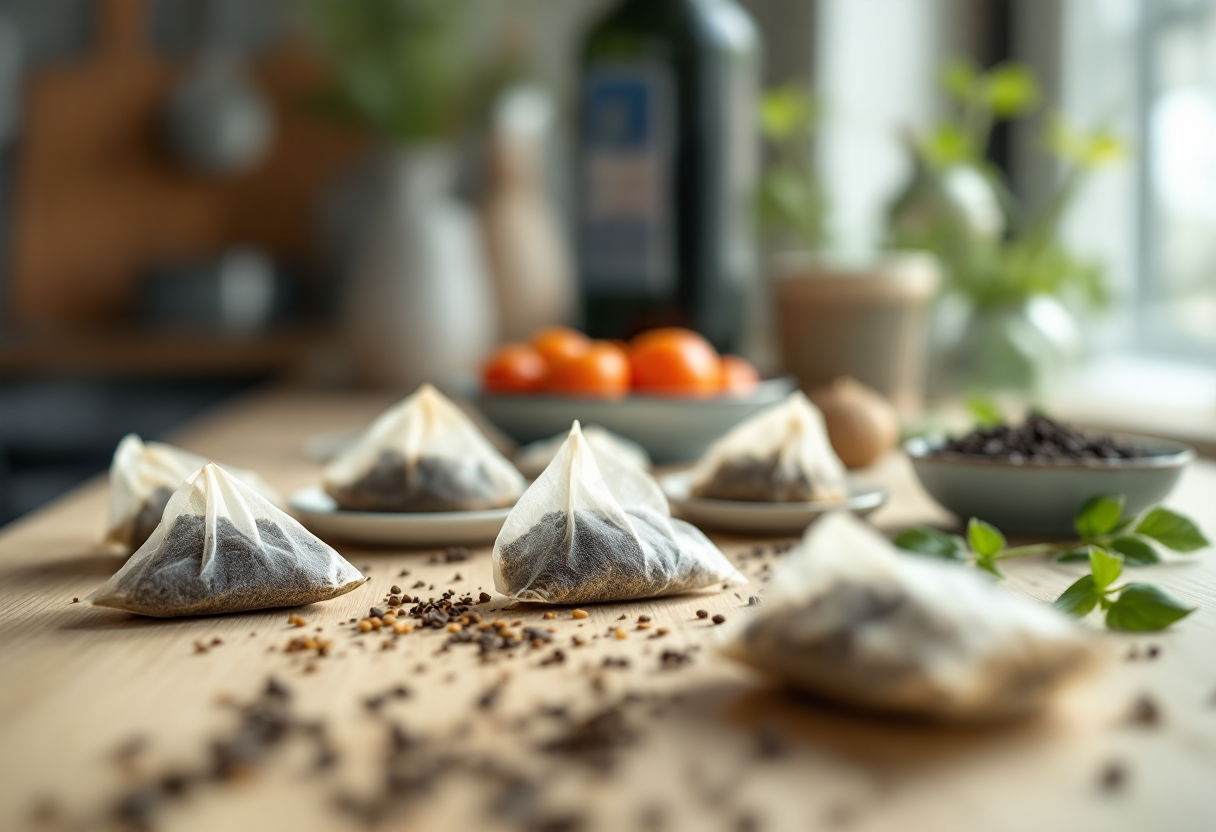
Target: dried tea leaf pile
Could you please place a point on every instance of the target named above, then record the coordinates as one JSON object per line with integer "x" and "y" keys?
{"x": 423, "y": 455}
{"x": 594, "y": 527}
{"x": 222, "y": 548}
{"x": 143, "y": 476}
{"x": 533, "y": 459}
{"x": 780, "y": 455}
{"x": 850, "y": 618}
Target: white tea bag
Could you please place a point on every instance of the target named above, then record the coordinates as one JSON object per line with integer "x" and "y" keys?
{"x": 597, "y": 528}
{"x": 221, "y": 547}
{"x": 423, "y": 454}
{"x": 532, "y": 459}
{"x": 780, "y": 455}
{"x": 852, "y": 619}
{"x": 144, "y": 475}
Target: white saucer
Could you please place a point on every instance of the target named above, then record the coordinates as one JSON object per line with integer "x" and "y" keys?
{"x": 762, "y": 518}
{"x": 320, "y": 515}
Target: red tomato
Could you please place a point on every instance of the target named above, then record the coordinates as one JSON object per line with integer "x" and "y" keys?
{"x": 515, "y": 368}
{"x": 601, "y": 371}
{"x": 677, "y": 362}
{"x": 739, "y": 377}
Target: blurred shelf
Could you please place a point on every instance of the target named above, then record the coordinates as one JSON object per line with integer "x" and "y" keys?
{"x": 153, "y": 353}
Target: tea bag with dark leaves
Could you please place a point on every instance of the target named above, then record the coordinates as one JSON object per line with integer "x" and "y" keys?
{"x": 144, "y": 475}
{"x": 423, "y": 454}
{"x": 534, "y": 458}
{"x": 780, "y": 455}
{"x": 850, "y": 618}
{"x": 594, "y": 527}
{"x": 222, "y": 547}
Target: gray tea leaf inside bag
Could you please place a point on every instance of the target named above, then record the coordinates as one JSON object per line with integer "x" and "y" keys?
{"x": 596, "y": 528}
{"x": 424, "y": 454}
{"x": 222, "y": 548}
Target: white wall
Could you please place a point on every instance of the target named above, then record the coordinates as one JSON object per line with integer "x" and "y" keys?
{"x": 876, "y": 69}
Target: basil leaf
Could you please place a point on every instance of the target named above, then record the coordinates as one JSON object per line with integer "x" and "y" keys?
{"x": 1143, "y": 607}
{"x": 1172, "y": 530}
{"x": 932, "y": 543}
{"x": 1098, "y": 517}
{"x": 1080, "y": 598}
{"x": 986, "y": 541}
{"x": 1074, "y": 556}
{"x": 1106, "y": 568}
{"x": 1135, "y": 551}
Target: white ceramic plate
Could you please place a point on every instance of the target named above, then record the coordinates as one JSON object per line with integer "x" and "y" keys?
{"x": 320, "y": 515}
{"x": 761, "y": 518}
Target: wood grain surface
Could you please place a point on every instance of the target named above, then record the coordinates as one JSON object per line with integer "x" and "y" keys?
{"x": 96, "y": 704}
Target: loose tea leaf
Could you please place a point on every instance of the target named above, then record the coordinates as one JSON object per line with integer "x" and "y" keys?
{"x": 1144, "y": 607}
{"x": 1099, "y": 516}
{"x": 935, "y": 544}
{"x": 1172, "y": 530}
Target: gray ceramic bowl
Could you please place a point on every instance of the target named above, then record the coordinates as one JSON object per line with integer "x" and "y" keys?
{"x": 670, "y": 429}
{"x": 1042, "y": 498}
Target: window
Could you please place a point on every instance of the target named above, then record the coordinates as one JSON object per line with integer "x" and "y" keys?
{"x": 1148, "y": 68}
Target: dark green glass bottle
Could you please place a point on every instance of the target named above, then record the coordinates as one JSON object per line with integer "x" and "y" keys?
{"x": 667, "y": 156}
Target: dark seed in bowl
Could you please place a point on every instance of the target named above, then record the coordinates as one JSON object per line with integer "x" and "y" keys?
{"x": 1039, "y": 438}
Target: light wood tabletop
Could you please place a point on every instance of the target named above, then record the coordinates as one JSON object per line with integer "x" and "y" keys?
{"x": 171, "y": 718}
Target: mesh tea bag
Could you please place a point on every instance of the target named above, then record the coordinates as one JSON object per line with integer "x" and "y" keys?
{"x": 594, "y": 527}
{"x": 780, "y": 455}
{"x": 423, "y": 454}
{"x": 222, "y": 547}
{"x": 534, "y": 458}
{"x": 852, "y": 619}
{"x": 144, "y": 475}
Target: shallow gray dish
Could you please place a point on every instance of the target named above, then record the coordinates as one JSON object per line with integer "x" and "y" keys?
{"x": 670, "y": 429}
{"x": 1042, "y": 498}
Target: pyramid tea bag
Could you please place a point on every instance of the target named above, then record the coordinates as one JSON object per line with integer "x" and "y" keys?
{"x": 852, "y": 619}
{"x": 780, "y": 455}
{"x": 144, "y": 475}
{"x": 221, "y": 547}
{"x": 534, "y": 458}
{"x": 594, "y": 527}
{"x": 423, "y": 454}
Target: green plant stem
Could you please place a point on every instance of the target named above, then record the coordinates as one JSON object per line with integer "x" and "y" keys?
{"x": 1051, "y": 548}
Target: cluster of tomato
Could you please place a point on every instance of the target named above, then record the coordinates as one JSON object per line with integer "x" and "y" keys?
{"x": 670, "y": 362}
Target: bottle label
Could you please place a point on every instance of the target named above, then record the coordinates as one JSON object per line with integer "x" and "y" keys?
{"x": 626, "y": 236}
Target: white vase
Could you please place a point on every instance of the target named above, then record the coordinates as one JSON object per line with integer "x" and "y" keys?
{"x": 420, "y": 306}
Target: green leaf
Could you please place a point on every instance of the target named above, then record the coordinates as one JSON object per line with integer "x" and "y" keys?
{"x": 1098, "y": 517}
{"x": 1135, "y": 551}
{"x": 988, "y": 564}
{"x": 1144, "y": 607}
{"x": 1172, "y": 530}
{"x": 1074, "y": 556}
{"x": 932, "y": 543}
{"x": 983, "y": 410}
{"x": 1080, "y": 598}
{"x": 949, "y": 144}
{"x": 1106, "y": 567}
{"x": 786, "y": 112}
{"x": 1011, "y": 90}
{"x": 986, "y": 541}
{"x": 959, "y": 78}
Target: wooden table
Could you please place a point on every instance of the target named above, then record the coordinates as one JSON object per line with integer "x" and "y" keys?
{"x": 94, "y": 703}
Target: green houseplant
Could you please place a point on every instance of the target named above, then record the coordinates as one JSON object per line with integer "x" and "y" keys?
{"x": 1006, "y": 263}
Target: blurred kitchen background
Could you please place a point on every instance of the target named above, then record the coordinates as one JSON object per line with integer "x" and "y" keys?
{"x": 200, "y": 197}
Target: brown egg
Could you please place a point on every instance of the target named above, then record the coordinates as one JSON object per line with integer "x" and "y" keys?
{"x": 862, "y": 424}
